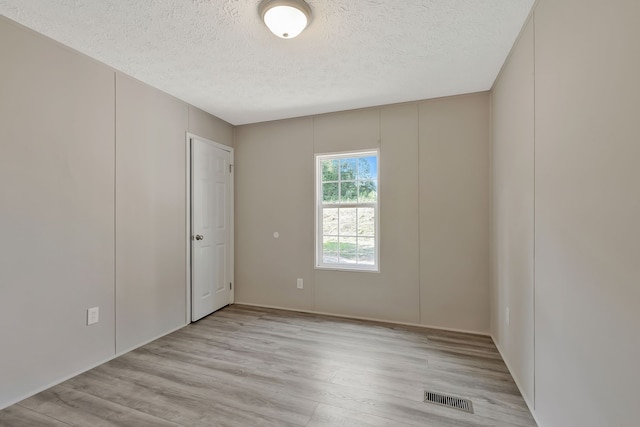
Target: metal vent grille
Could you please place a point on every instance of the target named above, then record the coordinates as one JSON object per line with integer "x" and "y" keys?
{"x": 448, "y": 401}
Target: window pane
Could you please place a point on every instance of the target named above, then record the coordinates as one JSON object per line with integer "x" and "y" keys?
{"x": 366, "y": 250}
{"x": 366, "y": 222}
{"x": 348, "y": 192}
{"x": 329, "y": 170}
{"x": 348, "y": 221}
{"x": 330, "y": 250}
{"x": 367, "y": 167}
{"x": 348, "y": 250}
{"x": 330, "y": 193}
{"x": 367, "y": 191}
{"x": 330, "y": 222}
{"x": 348, "y": 208}
{"x": 347, "y": 169}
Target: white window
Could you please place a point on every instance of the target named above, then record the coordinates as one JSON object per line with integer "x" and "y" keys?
{"x": 347, "y": 211}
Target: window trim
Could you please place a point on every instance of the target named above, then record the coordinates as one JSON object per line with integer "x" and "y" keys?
{"x": 318, "y": 264}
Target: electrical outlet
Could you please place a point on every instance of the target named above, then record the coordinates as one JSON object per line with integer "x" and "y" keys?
{"x": 93, "y": 315}
{"x": 300, "y": 284}
{"x": 508, "y": 316}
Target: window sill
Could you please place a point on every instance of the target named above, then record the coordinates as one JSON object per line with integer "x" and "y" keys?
{"x": 347, "y": 269}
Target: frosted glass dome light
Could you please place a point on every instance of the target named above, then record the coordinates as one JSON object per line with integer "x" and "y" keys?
{"x": 285, "y": 18}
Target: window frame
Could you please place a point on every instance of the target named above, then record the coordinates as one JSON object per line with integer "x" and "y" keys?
{"x": 319, "y": 264}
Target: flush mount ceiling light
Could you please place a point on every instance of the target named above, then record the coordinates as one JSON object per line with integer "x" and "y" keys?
{"x": 285, "y": 18}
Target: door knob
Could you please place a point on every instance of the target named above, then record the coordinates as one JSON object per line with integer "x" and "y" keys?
{"x": 199, "y": 237}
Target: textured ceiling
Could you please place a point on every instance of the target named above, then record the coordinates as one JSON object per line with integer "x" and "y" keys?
{"x": 219, "y": 56}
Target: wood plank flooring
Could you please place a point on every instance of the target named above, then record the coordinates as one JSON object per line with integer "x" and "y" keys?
{"x": 248, "y": 366}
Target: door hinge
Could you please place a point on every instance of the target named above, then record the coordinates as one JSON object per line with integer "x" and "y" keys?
{"x": 230, "y": 285}
{"x": 230, "y": 166}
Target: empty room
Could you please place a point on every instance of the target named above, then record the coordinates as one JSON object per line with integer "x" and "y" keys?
{"x": 319, "y": 213}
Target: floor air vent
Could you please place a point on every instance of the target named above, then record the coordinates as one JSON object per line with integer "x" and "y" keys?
{"x": 448, "y": 401}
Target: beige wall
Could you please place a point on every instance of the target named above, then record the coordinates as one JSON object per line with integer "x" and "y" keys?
{"x": 454, "y": 212}
{"x": 390, "y": 294}
{"x": 151, "y": 288}
{"x": 422, "y": 147}
{"x": 270, "y": 180}
{"x": 210, "y": 127}
{"x": 512, "y": 188}
{"x": 92, "y": 210}
{"x": 150, "y": 213}
{"x": 56, "y": 211}
{"x": 587, "y": 204}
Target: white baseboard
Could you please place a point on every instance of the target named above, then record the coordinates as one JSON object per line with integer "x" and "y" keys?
{"x": 90, "y": 367}
{"x": 301, "y": 310}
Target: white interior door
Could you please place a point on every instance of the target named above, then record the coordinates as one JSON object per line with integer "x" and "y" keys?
{"x": 210, "y": 228}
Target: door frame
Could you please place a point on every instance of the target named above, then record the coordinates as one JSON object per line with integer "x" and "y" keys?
{"x": 189, "y": 136}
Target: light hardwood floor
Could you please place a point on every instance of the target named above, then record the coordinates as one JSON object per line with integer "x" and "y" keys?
{"x": 247, "y": 366}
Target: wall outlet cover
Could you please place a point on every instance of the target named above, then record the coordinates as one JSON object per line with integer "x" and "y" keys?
{"x": 93, "y": 315}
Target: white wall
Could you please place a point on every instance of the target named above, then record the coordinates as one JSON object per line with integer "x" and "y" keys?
{"x": 92, "y": 210}
{"x": 587, "y": 204}
{"x": 431, "y": 244}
